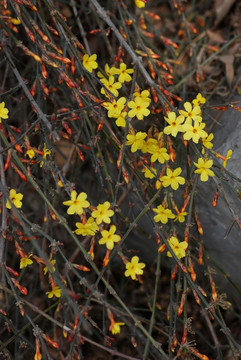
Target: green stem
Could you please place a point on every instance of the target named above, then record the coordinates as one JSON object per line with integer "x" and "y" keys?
{"x": 152, "y": 321}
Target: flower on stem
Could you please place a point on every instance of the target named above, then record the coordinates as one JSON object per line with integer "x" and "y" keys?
{"x": 115, "y": 107}
{"x": 172, "y": 178}
{"x": 109, "y": 71}
{"x": 174, "y": 124}
{"x": 52, "y": 267}
{"x": 136, "y": 141}
{"x": 15, "y": 198}
{"x": 103, "y": 213}
{"x": 138, "y": 108}
{"x": 207, "y": 142}
{"x": 134, "y": 268}
{"x": 181, "y": 216}
{"x": 194, "y": 132}
{"x": 77, "y": 203}
{"x": 89, "y": 228}
{"x": 144, "y": 95}
{"x": 25, "y": 261}
{"x": 149, "y": 146}
{"x": 199, "y": 100}
{"x": 228, "y": 156}
{"x": 56, "y": 291}
{"x": 203, "y": 168}
{"x": 149, "y": 172}
{"x": 3, "y": 111}
{"x": 46, "y": 152}
{"x": 30, "y": 153}
{"x": 111, "y": 85}
{"x": 114, "y": 326}
{"x": 159, "y": 154}
{"x": 120, "y": 121}
{"x": 140, "y": 3}
{"x": 124, "y": 73}
{"x": 191, "y": 113}
{"x": 179, "y": 248}
{"x": 109, "y": 237}
{"x": 163, "y": 214}
{"x": 89, "y": 62}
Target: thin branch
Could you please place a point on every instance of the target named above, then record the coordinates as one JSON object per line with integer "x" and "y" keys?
{"x": 30, "y": 97}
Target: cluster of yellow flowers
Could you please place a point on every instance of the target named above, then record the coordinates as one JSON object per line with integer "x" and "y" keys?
{"x": 99, "y": 216}
{"x": 187, "y": 122}
{"x": 118, "y": 107}
{"x": 157, "y": 148}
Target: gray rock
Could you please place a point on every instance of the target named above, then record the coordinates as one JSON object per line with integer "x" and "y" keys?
{"x": 222, "y": 232}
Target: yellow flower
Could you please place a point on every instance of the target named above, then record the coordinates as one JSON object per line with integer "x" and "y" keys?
{"x": 159, "y": 154}
{"x": 179, "y": 248}
{"x": 25, "y": 261}
{"x": 207, "y": 142}
{"x": 199, "y": 100}
{"x": 111, "y": 85}
{"x": 229, "y": 154}
{"x": 191, "y": 113}
{"x": 15, "y": 199}
{"x": 138, "y": 108}
{"x": 123, "y": 73}
{"x": 115, "y": 327}
{"x": 149, "y": 146}
{"x": 194, "y": 132}
{"x": 103, "y": 213}
{"x": 172, "y": 178}
{"x": 60, "y": 184}
{"x": 109, "y": 71}
{"x": 30, "y": 153}
{"x": 109, "y": 237}
{"x": 56, "y": 291}
{"x": 115, "y": 107}
{"x": 163, "y": 214}
{"x": 174, "y": 124}
{"x": 3, "y": 111}
{"x": 46, "y": 152}
{"x": 52, "y": 263}
{"x": 144, "y": 95}
{"x": 89, "y": 228}
{"x": 203, "y": 168}
{"x": 181, "y": 217}
{"x": 15, "y": 21}
{"x": 134, "y": 268}
{"x": 89, "y": 62}
{"x": 120, "y": 121}
{"x": 149, "y": 172}
{"x": 140, "y": 3}
{"x": 136, "y": 141}
{"x": 77, "y": 203}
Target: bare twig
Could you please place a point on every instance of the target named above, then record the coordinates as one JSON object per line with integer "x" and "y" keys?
{"x": 4, "y": 212}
